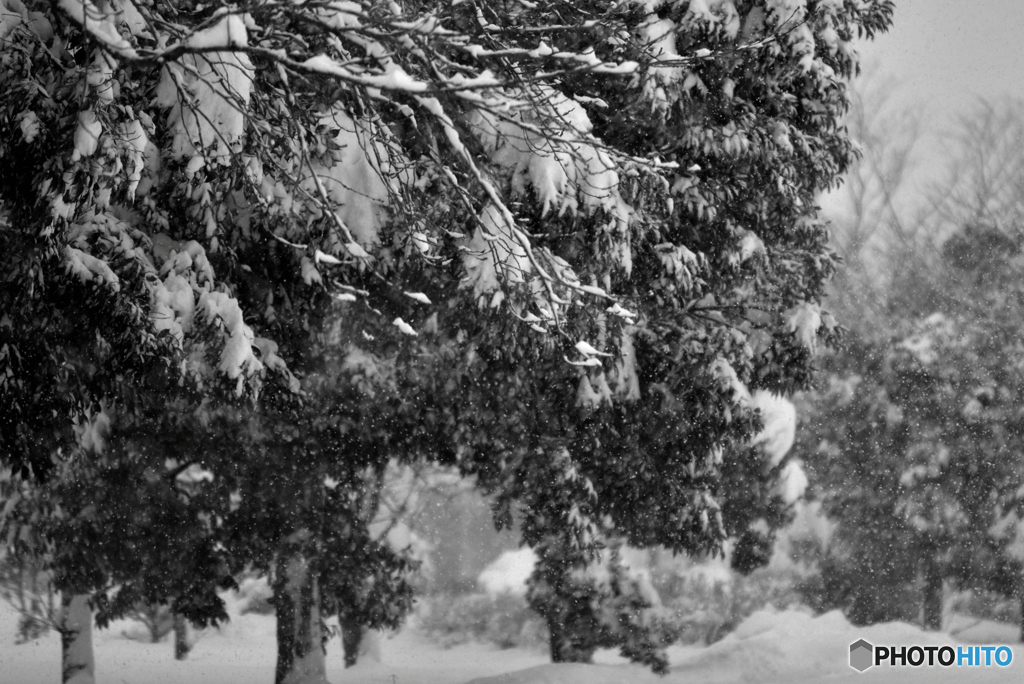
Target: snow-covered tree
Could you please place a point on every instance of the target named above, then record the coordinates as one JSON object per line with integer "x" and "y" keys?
{"x": 592, "y": 603}
{"x": 918, "y": 430}
{"x": 855, "y": 459}
{"x": 605, "y": 212}
{"x": 642, "y": 442}
{"x": 915, "y": 459}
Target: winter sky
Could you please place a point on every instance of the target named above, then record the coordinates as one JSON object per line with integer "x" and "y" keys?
{"x": 945, "y": 54}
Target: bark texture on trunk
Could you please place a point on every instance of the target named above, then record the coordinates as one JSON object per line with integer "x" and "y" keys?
{"x": 78, "y": 665}
{"x": 181, "y": 645}
{"x": 932, "y": 614}
{"x": 300, "y": 653}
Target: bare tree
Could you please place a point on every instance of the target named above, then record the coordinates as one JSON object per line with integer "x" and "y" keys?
{"x": 25, "y": 585}
{"x": 869, "y": 212}
{"x": 874, "y": 193}
{"x": 985, "y": 176}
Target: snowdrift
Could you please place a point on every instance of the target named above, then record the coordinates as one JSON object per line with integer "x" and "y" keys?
{"x": 787, "y": 646}
{"x": 771, "y": 647}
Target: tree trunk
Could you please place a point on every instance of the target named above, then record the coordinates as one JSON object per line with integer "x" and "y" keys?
{"x": 77, "y": 663}
{"x": 351, "y": 638}
{"x": 573, "y": 628}
{"x": 557, "y": 641}
{"x": 564, "y": 647}
{"x": 300, "y": 652}
{"x": 181, "y": 645}
{"x": 1022, "y": 617}
{"x": 151, "y": 616}
{"x": 932, "y": 617}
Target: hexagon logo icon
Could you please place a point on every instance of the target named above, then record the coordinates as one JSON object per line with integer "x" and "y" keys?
{"x": 861, "y": 655}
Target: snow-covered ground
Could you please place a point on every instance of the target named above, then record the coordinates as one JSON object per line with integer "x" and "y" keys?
{"x": 770, "y": 647}
{"x": 244, "y": 652}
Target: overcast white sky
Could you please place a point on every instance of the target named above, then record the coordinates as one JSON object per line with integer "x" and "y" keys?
{"x": 948, "y": 51}
{"x": 941, "y": 57}
{"x": 945, "y": 54}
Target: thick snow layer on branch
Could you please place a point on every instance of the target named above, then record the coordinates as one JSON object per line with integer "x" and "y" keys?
{"x": 593, "y": 391}
{"x": 393, "y": 78}
{"x": 237, "y": 360}
{"x": 136, "y": 141}
{"x": 99, "y": 23}
{"x": 404, "y": 327}
{"x": 184, "y": 259}
{"x": 566, "y": 167}
{"x": 28, "y": 123}
{"x": 491, "y": 252}
{"x": 208, "y": 94}
{"x": 173, "y": 306}
{"x": 129, "y": 16}
{"x": 803, "y": 320}
{"x": 100, "y": 76}
{"x": 89, "y": 269}
{"x": 359, "y": 176}
{"x": 273, "y": 361}
{"x": 779, "y": 417}
{"x": 721, "y": 14}
{"x": 792, "y": 19}
{"x": 342, "y": 14}
{"x": 723, "y": 370}
{"x": 671, "y": 72}
{"x": 310, "y": 274}
{"x": 792, "y": 482}
{"x": 195, "y": 474}
{"x": 659, "y": 36}
{"x": 751, "y": 245}
{"x": 679, "y": 262}
{"x": 87, "y": 135}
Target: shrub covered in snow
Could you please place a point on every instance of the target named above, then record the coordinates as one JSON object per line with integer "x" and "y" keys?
{"x": 508, "y": 573}
{"x": 503, "y": 619}
{"x": 254, "y": 596}
{"x": 706, "y": 599}
{"x": 985, "y": 605}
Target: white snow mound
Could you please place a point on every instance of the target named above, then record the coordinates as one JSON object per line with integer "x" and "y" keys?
{"x": 508, "y": 573}
{"x": 772, "y": 647}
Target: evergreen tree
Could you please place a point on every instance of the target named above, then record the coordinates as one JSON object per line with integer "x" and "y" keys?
{"x": 641, "y": 442}
{"x": 916, "y": 462}
{"x": 606, "y": 213}
{"x": 917, "y": 431}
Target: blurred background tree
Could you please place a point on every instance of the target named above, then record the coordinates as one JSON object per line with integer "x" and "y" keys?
{"x": 914, "y": 441}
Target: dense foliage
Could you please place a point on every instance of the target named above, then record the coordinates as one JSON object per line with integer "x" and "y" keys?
{"x": 917, "y": 441}
{"x": 916, "y": 436}
{"x": 269, "y": 247}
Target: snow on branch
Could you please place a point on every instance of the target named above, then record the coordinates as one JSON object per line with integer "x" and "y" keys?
{"x": 342, "y": 119}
